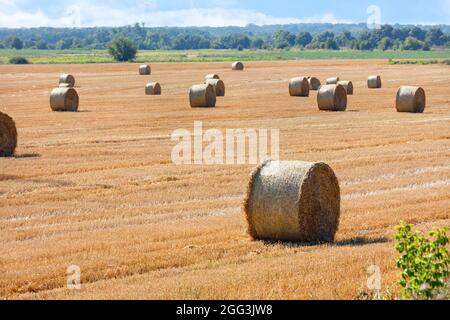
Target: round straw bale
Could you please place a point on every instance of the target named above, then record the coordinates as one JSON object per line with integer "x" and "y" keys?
{"x": 67, "y": 78}
{"x": 237, "y": 66}
{"x": 202, "y": 96}
{"x": 299, "y": 87}
{"x": 212, "y": 76}
{"x": 334, "y": 80}
{"x": 65, "y": 85}
{"x": 145, "y": 69}
{"x": 64, "y": 99}
{"x": 153, "y": 88}
{"x": 374, "y": 82}
{"x": 293, "y": 201}
{"x": 219, "y": 86}
{"x": 8, "y": 135}
{"x": 314, "y": 83}
{"x": 332, "y": 98}
{"x": 348, "y": 86}
{"x": 411, "y": 99}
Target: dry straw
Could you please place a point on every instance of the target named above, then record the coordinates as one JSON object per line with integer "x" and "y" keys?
{"x": 299, "y": 87}
{"x": 145, "y": 70}
{"x": 65, "y": 85}
{"x": 348, "y": 86}
{"x": 64, "y": 99}
{"x": 202, "y": 96}
{"x": 237, "y": 66}
{"x": 8, "y": 135}
{"x": 67, "y": 79}
{"x": 212, "y": 76}
{"x": 411, "y": 99}
{"x": 293, "y": 201}
{"x": 314, "y": 83}
{"x": 334, "y": 80}
{"x": 374, "y": 82}
{"x": 219, "y": 86}
{"x": 332, "y": 98}
{"x": 153, "y": 88}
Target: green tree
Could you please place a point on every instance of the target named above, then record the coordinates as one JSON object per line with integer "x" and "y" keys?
{"x": 412, "y": 43}
{"x": 16, "y": 43}
{"x": 385, "y": 44}
{"x": 122, "y": 49}
{"x": 303, "y": 39}
{"x": 283, "y": 39}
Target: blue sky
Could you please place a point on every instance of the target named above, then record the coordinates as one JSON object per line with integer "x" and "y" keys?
{"x": 77, "y": 13}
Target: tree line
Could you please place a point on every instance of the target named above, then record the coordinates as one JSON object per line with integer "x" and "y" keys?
{"x": 386, "y": 38}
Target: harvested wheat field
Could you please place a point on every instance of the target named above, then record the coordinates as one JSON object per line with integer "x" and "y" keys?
{"x": 98, "y": 189}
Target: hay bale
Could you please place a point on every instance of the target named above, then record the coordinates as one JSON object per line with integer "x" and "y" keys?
{"x": 239, "y": 66}
{"x": 145, "y": 69}
{"x": 64, "y": 99}
{"x": 202, "y": 96}
{"x": 293, "y": 201}
{"x": 65, "y": 85}
{"x": 212, "y": 76}
{"x": 334, "y": 80}
{"x": 348, "y": 86}
{"x": 411, "y": 99}
{"x": 68, "y": 79}
{"x": 314, "y": 83}
{"x": 332, "y": 97}
{"x": 219, "y": 86}
{"x": 8, "y": 135}
{"x": 374, "y": 82}
{"x": 299, "y": 87}
{"x": 153, "y": 88}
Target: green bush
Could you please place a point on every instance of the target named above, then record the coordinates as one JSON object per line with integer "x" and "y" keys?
{"x": 18, "y": 60}
{"x": 122, "y": 49}
{"x": 424, "y": 261}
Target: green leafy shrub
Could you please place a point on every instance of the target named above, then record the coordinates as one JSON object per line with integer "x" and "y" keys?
{"x": 19, "y": 60}
{"x": 424, "y": 261}
{"x": 122, "y": 49}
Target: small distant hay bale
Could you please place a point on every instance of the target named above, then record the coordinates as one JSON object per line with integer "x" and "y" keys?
{"x": 67, "y": 79}
{"x": 153, "y": 88}
{"x": 65, "y": 85}
{"x": 64, "y": 99}
{"x": 374, "y": 82}
{"x": 293, "y": 201}
{"x": 239, "y": 66}
{"x": 145, "y": 69}
{"x": 348, "y": 86}
{"x": 202, "y": 96}
{"x": 332, "y": 97}
{"x": 299, "y": 87}
{"x": 219, "y": 86}
{"x": 411, "y": 99}
{"x": 334, "y": 80}
{"x": 212, "y": 76}
{"x": 8, "y": 135}
{"x": 314, "y": 83}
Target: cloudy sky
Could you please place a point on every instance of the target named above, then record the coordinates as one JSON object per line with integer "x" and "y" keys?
{"x": 83, "y": 13}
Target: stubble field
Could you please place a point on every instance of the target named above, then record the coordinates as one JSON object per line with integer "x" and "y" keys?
{"x": 98, "y": 189}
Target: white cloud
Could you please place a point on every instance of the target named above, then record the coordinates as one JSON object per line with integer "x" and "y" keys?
{"x": 84, "y": 13}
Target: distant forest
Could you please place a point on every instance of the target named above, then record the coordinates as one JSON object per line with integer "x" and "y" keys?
{"x": 305, "y": 36}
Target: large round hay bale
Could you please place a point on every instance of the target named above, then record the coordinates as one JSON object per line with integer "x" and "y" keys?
{"x": 239, "y": 66}
{"x": 145, "y": 69}
{"x": 332, "y": 97}
{"x": 333, "y": 80}
{"x": 68, "y": 79}
{"x": 348, "y": 86}
{"x": 202, "y": 96}
{"x": 374, "y": 82}
{"x": 64, "y": 99}
{"x": 153, "y": 88}
{"x": 212, "y": 76}
{"x": 8, "y": 135}
{"x": 411, "y": 99}
{"x": 299, "y": 87}
{"x": 314, "y": 83}
{"x": 219, "y": 86}
{"x": 293, "y": 201}
{"x": 65, "y": 85}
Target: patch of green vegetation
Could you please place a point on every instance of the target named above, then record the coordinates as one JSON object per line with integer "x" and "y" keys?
{"x": 19, "y": 60}
{"x": 82, "y": 56}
